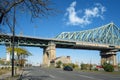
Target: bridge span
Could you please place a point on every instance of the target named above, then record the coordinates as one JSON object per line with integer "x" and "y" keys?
{"x": 5, "y": 39}
{"x": 50, "y": 44}
{"x": 89, "y": 39}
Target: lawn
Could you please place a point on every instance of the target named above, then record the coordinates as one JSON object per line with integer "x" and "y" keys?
{"x": 3, "y": 71}
{"x": 102, "y": 72}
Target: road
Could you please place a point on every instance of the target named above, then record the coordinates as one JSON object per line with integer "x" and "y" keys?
{"x": 37, "y": 73}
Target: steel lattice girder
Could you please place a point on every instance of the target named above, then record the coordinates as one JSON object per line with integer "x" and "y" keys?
{"x": 107, "y": 34}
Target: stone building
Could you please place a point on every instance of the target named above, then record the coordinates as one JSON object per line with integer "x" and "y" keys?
{"x": 63, "y": 59}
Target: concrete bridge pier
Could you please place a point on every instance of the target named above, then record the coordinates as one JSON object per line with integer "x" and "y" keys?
{"x": 109, "y": 57}
{"x": 8, "y": 54}
{"x": 49, "y": 53}
{"x": 8, "y": 57}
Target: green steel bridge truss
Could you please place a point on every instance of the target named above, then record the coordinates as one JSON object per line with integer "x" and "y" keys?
{"x": 107, "y": 34}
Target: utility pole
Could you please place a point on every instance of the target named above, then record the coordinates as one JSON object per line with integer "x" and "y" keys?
{"x": 13, "y": 42}
{"x": 90, "y": 65}
{"x": 118, "y": 63}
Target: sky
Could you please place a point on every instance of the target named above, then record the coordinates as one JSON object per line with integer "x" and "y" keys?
{"x": 71, "y": 15}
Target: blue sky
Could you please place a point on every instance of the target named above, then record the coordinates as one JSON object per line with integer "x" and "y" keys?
{"x": 72, "y": 15}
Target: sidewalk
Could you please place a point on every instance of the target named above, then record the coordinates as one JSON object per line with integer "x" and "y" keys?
{"x": 7, "y": 76}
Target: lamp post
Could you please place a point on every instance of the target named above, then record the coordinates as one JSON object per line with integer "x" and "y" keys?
{"x": 118, "y": 62}
{"x": 13, "y": 42}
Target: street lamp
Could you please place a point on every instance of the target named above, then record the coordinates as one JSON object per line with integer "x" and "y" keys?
{"x": 118, "y": 62}
{"x": 13, "y": 42}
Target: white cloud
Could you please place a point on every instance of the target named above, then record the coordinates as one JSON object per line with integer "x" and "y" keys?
{"x": 89, "y": 14}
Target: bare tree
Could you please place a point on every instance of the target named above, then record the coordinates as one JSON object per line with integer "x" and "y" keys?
{"x": 35, "y": 8}
{"x": 10, "y": 8}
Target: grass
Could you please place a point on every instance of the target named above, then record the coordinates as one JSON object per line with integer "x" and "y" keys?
{"x": 13, "y": 78}
{"x": 99, "y": 72}
{"x": 6, "y": 70}
{"x": 102, "y": 72}
{"x": 114, "y": 72}
{"x": 3, "y": 71}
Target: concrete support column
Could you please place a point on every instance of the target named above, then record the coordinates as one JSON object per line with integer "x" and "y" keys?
{"x": 52, "y": 50}
{"x": 49, "y": 53}
{"x": 109, "y": 57}
{"x": 45, "y": 56}
{"x": 8, "y": 56}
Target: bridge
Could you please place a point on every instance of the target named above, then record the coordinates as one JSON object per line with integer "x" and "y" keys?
{"x": 105, "y": 39}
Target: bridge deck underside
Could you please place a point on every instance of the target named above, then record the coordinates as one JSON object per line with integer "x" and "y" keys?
{"x": 87, "y": 47}
{"x": 42, "y": 42}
